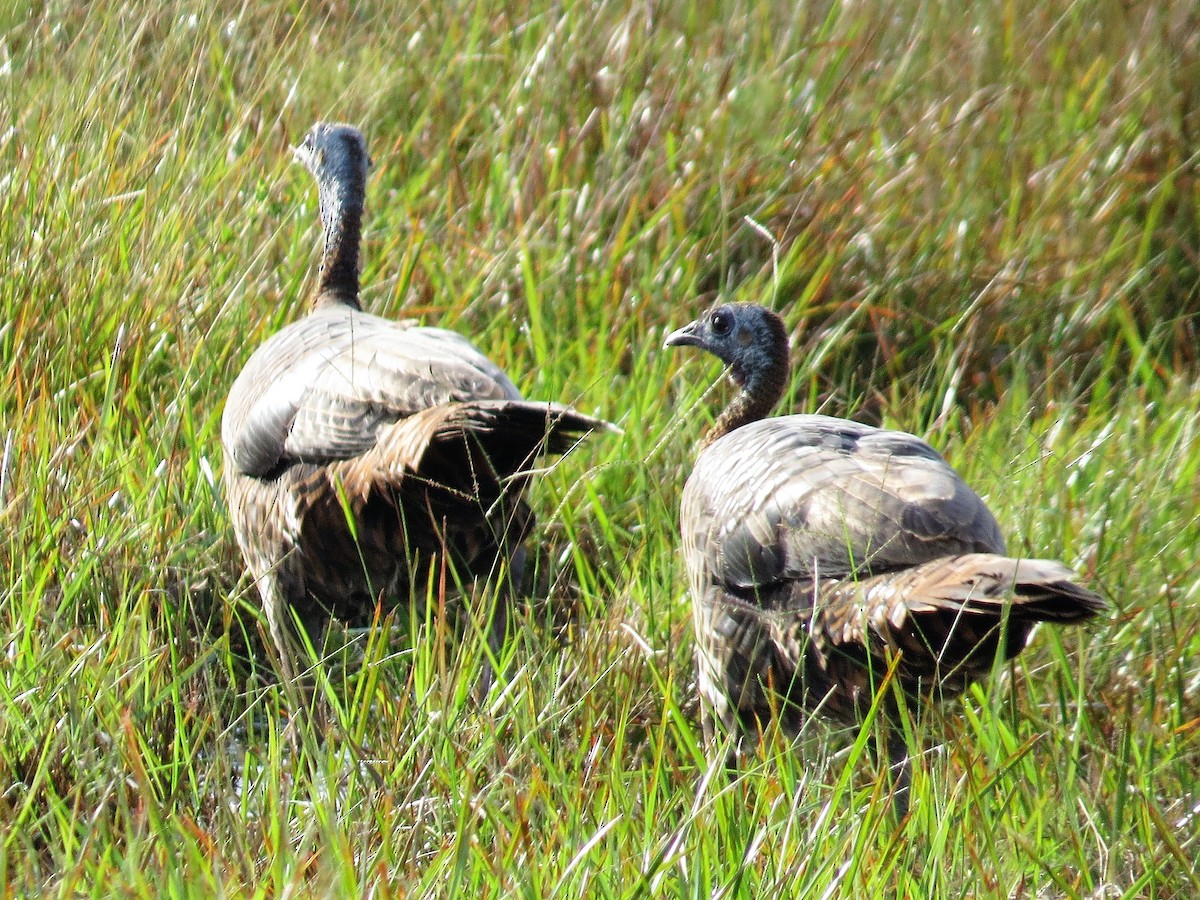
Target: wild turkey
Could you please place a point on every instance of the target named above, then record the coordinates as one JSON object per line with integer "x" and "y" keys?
{"x": 359, "y": 451}
{"x": 819, "y": 551}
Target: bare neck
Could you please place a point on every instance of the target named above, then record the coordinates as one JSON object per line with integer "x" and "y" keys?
{"x": 341, "y": 215}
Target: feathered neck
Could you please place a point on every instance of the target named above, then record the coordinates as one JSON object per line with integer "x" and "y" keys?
{"x": 761, "y": 388}
{"x": 341, "y": 198}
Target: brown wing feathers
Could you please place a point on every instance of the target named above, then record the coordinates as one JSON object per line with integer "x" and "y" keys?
{"x": 952, "y": 617}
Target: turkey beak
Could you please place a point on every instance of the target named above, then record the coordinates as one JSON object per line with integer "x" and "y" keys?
{"x": 302, "y": 152}
{"x": 684, "y": 337}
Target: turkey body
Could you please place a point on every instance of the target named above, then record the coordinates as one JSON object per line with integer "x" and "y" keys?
{"x": 822, "y": 554}
{"x": 828, "y": 549}
{"x": 362, "y": 455}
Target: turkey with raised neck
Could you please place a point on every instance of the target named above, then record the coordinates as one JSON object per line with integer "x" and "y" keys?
{"x": 821, "y": 553}
{"x": 362, "y": 453}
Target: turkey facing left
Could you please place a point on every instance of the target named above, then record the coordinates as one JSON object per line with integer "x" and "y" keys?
{"x": 820, "y": 552}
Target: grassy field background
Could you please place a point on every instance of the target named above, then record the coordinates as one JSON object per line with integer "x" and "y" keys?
{"x": 983, "y": 226}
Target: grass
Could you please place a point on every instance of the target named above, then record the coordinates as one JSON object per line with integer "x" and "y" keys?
{"x": 983, "y": 227}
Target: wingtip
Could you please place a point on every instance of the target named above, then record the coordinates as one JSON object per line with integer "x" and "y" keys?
{"x": 584, "y": 422}
{"x": 595, "y": 425}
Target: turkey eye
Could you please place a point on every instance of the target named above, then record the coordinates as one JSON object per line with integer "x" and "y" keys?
{"x": 721, "y": 322}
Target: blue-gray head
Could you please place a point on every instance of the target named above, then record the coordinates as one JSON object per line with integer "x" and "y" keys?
{"x": 753, "y": 342}
{"x": 333, "y": 150}
{"x": 748, "y": 338}
{"x": 336, "y": 155}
